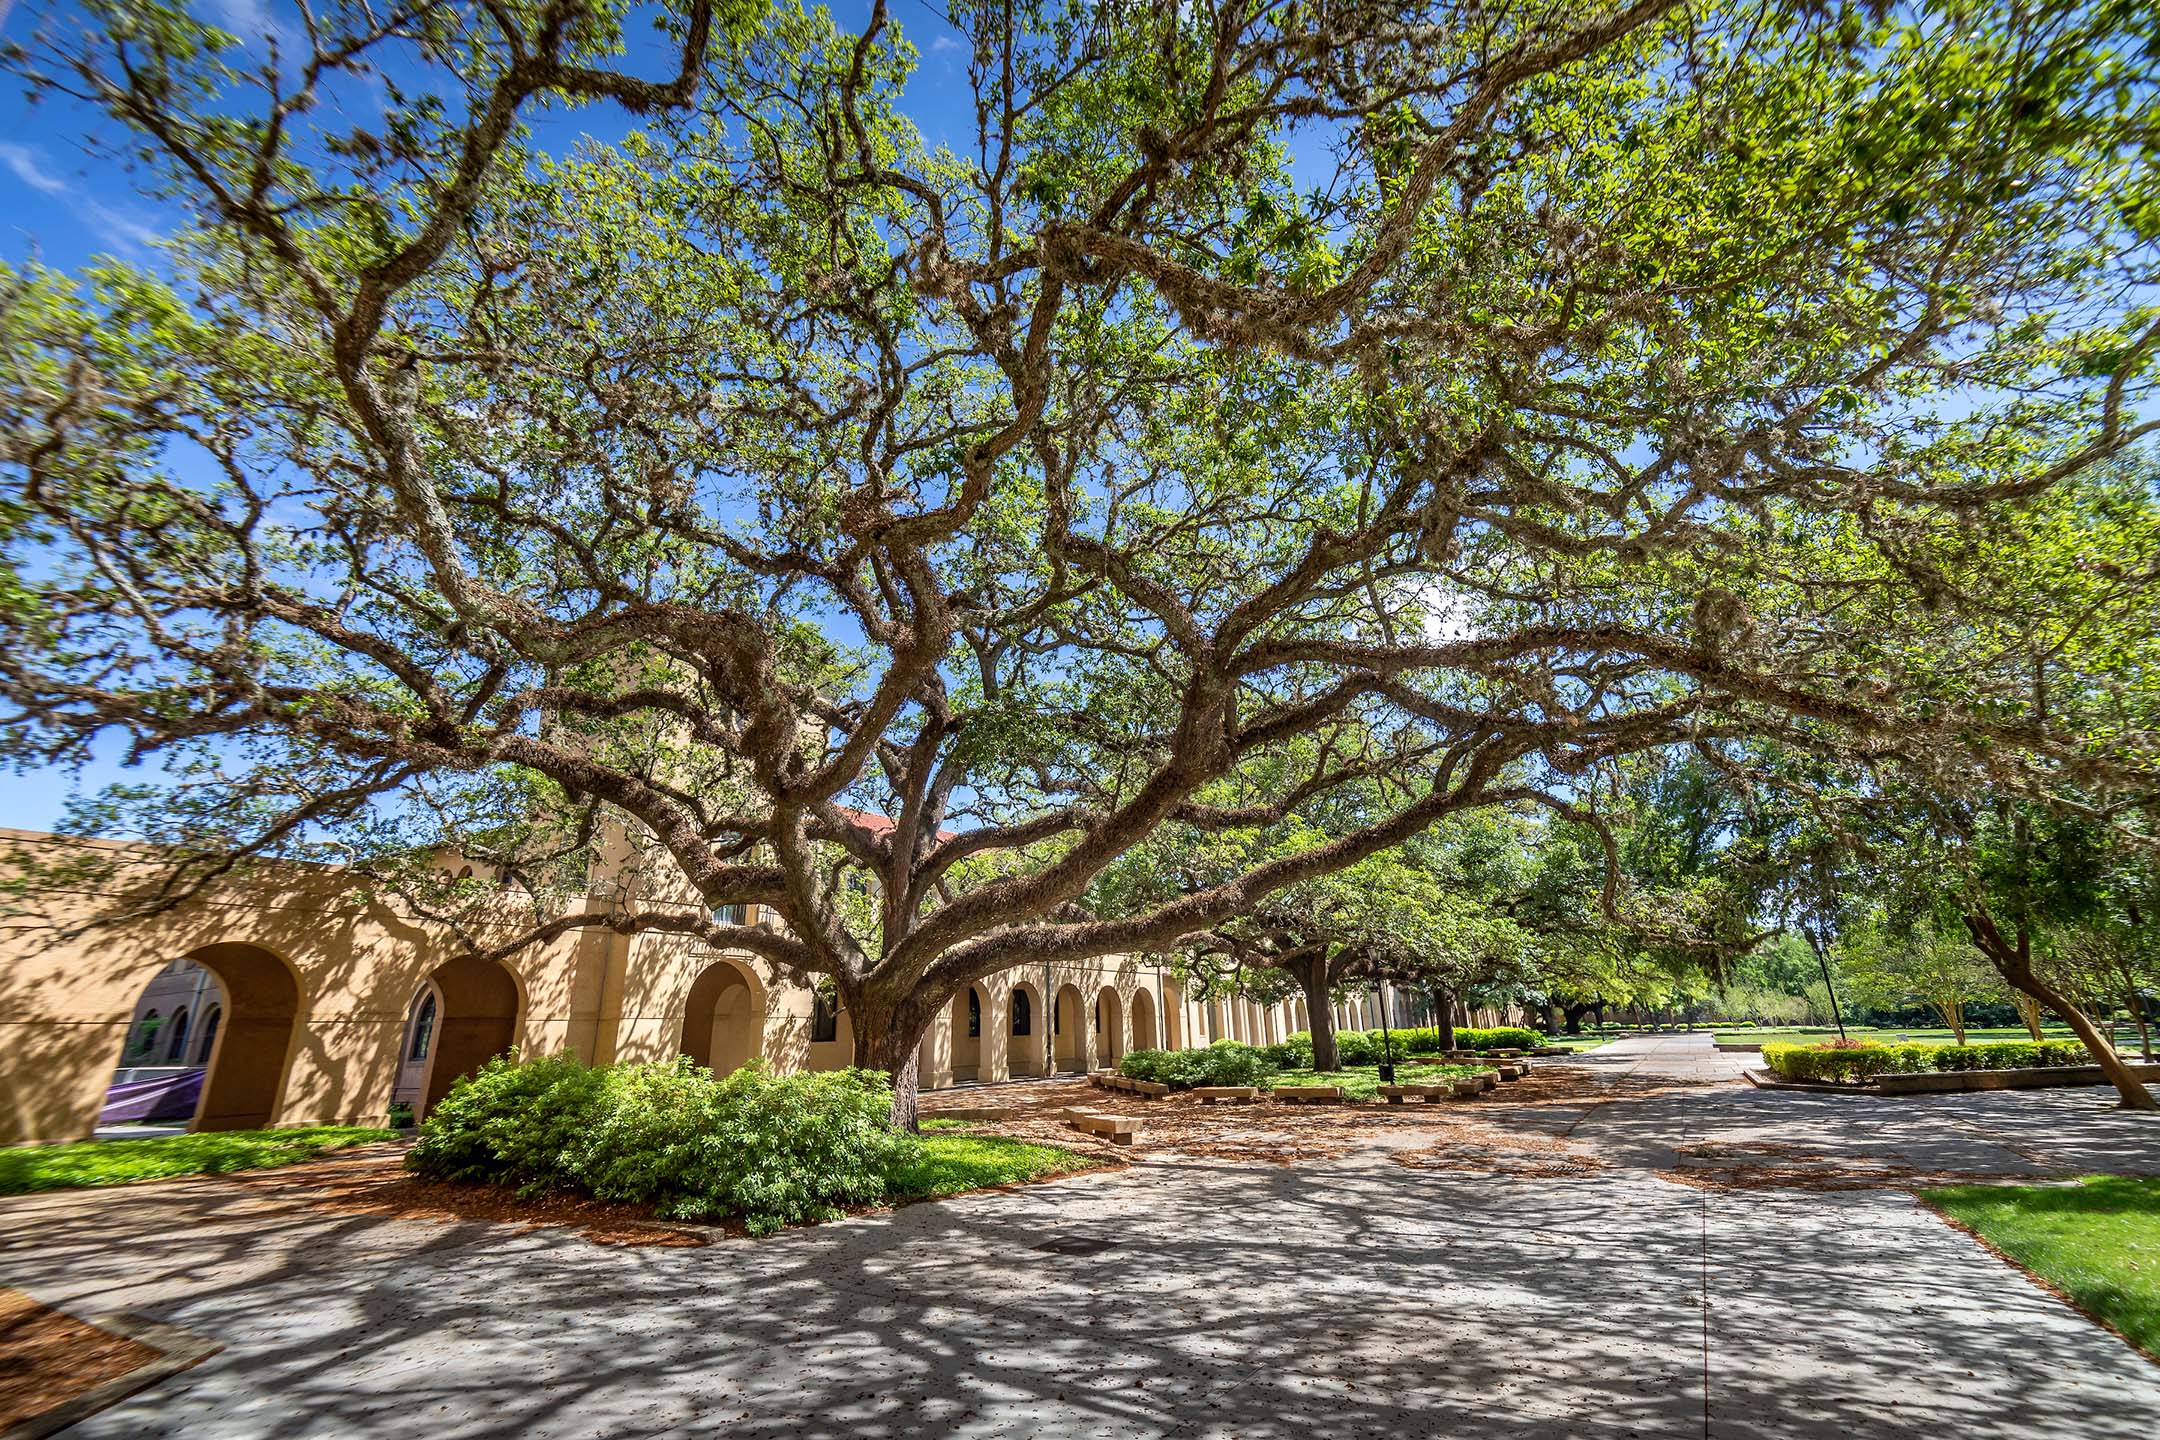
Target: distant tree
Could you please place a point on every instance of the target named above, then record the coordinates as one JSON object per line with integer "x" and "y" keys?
{"x": 1923, "y": 965}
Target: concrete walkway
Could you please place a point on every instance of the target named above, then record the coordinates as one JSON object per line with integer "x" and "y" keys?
{"x": 1326, "y": 1300}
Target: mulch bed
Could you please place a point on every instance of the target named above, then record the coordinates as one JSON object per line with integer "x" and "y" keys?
{"x": 48, "y": 1358}
{"x": 380, "y": 1186}
{"x": 1455, "y": 1134}
{"x": 1505, "y": 1152}
{"x": 1772, "y": 1165}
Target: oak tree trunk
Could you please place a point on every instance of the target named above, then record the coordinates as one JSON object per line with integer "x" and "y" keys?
{"x": 890, "y": 1039}
{"x": 1312, "y": 978}
{"x": 1447, "y": 1019}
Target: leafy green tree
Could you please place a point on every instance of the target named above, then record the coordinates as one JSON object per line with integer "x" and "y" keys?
{"x": 769, "y": 506}
{"x": 1924, "y": 965}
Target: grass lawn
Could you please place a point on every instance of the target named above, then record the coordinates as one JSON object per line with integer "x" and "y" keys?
{"x": 88, "y": 1163}
{"x": 952, "y": 1163}
{"x": 1362, "y": 1082}
{"x": 2097, "y": 1241}
{"x": 1579, "y": 1042}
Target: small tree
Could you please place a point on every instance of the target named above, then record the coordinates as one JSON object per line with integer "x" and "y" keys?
{"x": 1924, "y": 965}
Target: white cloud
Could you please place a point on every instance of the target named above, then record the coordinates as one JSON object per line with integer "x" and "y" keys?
{"x": 123, "y": 230}
{"x": 23, "y": 161}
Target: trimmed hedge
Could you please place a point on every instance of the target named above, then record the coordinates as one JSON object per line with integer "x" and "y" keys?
{"x": 1226, "y": 1062}
{"x": 672, "y": 1136}
{"x": 1368, "y": 1047}
{"x": 1858, "y": 1063}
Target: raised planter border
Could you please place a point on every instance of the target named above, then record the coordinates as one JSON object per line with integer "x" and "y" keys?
{"x": 177, "y": 1350}
{"x": 1955, "y": 1082}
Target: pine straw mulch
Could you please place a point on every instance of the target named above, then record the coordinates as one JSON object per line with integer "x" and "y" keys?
{"x": 48, "y": 1358}
{"x": 1491, "y": 1151}
{"x": 1447, "y": 1133}
{"x": 378, "y": 1184}
{"x": 1772, "y": 1165}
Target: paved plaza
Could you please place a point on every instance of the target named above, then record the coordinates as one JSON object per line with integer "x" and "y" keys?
{"x": 1680, "y": 1262}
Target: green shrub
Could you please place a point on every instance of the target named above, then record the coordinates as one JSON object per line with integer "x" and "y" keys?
{"x": 1157, "y": 1067}
{"x": 510, "y": 1123}
{"x": 1359, "y": 1047}
{"x": 1500, "y": 1037}
{"x": 1226, "y": 1062}
{"x": 1293, "y": 1053}
{"x": 1860, "y": 1061}
{"x": 1369, "y": 1047}
{"x": 672, "y": 1137}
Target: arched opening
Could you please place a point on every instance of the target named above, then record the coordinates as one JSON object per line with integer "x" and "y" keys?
{"x": 1069, "y": 1030}
{"x": 1143, "y": 1021}
{"x": 228, "y": 1073}
{"x": 1024, "y": 1042}
{"x": 414, "y": 1048}
{"x": 476, "y": 1021}
{"x": 968, "y": 1010}
{"x": 724, "y": 1018}
{"x": 1109, "y": 1027}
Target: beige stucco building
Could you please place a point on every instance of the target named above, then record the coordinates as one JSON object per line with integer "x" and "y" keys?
{"x": 312, "y": 1002}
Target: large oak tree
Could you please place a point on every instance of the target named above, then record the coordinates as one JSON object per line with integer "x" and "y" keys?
{"x": 1460, "y": 392}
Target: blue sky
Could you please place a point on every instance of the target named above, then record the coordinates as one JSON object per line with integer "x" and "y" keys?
{"x": 63, "y": 206}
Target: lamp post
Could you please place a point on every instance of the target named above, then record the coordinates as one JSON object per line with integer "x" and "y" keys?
{"x": 1823, "y": 960}
{"x": 1387, "y": 1036}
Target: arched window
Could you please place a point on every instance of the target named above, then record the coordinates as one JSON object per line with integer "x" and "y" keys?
{"x": 1098, "y": 1014}
{"x": 209, "y": 1035}
{"x": 176, "y": 1047}
{"x": 145, "y": 1035}
{"x": 974, "y": 1014}
{"x": 824, "y": 1019}
{"x": 423, "y": 1029}
{"x": 1023, "y": 1020}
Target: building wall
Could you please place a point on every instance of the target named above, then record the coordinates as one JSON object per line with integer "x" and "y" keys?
{"x": 317, "y": 984}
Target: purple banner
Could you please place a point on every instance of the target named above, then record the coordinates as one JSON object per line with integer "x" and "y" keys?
{"x": 168, "y": 1097}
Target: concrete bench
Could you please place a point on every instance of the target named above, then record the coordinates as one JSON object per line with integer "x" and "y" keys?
{"x": 1114, "y": 1128}
{"x": 1307, "y": 1094}
{"x": 1468, "y": 1086}
{"x": 1148, "y": 1089}
{"x": 1228, "y": 1094}
{"x": 1513, "y": 1072}
{"x": 1487, "y": 1081}
{"x": 1430, "y": 1094}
